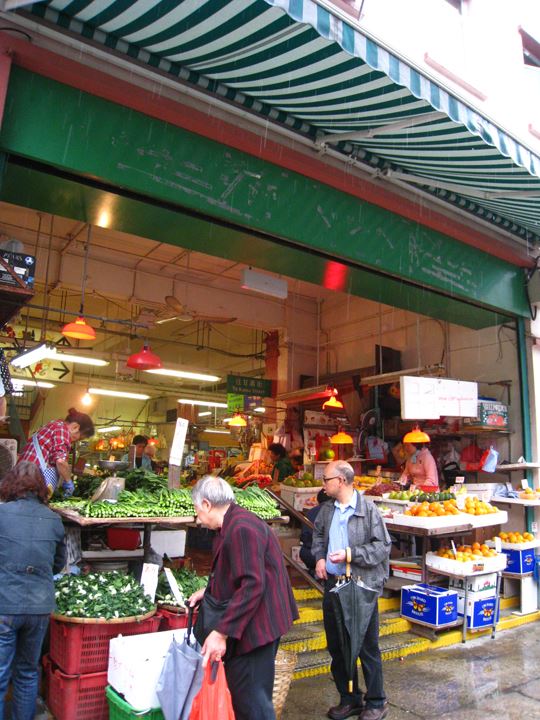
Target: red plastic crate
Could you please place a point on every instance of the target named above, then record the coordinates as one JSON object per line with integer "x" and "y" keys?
{"x": 75, "y": 697}
{"x": 123, "y": 538}
{"x": 79, "y": 648}
{"x": 174, "y": 621}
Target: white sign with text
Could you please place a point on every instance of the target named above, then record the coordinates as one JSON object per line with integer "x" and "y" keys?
{"x": 431, "y": 398}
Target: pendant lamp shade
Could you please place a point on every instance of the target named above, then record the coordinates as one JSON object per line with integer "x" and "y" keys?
{"x": 237, "y": 421}
{"x": 332, "y": 403}
{"x": 341, "y": 438}
{"x": 144, "y": 360}
{"x": 79, "y": 330}
{"x": 416, "y": 436}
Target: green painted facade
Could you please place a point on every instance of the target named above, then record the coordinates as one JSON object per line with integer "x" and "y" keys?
{"x": 164, "y": 182}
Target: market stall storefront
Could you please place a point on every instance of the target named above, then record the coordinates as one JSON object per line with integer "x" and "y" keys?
{"x": 97, "y": 150}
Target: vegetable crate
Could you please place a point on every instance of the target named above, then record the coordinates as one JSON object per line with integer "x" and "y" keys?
{"x": 429, "y": 605}
{"x": 84, "y": 648}
{"x": 173, "y": 620}
{"x": 119, "y": 709}
{"x": 75, "y": 697}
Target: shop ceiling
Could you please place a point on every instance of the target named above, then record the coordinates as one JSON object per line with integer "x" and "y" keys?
{"x": 397, "y": 262}
{"x": 299, "y": 66}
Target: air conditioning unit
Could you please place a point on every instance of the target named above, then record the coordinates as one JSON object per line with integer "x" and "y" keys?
{"x": 8, "y": 455}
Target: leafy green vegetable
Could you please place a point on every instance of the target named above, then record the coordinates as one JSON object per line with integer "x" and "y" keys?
{"x": 258, "y": 501}
{"x": 101, "y": 595}
{"x": 188, "y": 582}
{"x": 140, "y": 479}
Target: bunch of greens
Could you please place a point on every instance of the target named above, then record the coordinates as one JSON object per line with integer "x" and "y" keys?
{"x": 188, "y": 582}
{"x": 258, "y": 501}
{"x": 138, "y": 504}
{"x": 107, "y": 596}
{"x": 140, "y": 479}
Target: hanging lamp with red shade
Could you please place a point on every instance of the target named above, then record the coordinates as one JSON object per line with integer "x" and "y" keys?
{"x": 145, "y": 359}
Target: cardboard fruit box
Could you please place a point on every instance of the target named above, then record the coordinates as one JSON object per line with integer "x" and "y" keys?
{"x": 303, "y": 498}
{"x": 429, "y": 605}
{"x": 466, "y": 569}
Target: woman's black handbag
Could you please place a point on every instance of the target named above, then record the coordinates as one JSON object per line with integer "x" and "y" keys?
{"x": 210, "y": 613}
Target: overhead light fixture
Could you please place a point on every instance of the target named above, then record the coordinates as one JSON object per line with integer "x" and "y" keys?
{"x": 80, "y": 359}
{"x": 145, "y": 359}
{"x": 31, "y": 383}
{"x": 87, "y": 399}
{"x": 80, "y": 330}
{"x": 50, "y": 352}
{"x": 206, "y": 413}
{"x": 341, "y": 438}
{"x": 31, "y": 357}
{"x": 264, "y": 284}
{"x": 118, "y": 394}
{"x": 185, "y": 374}
{"x": 237, "y": 421}
{"x": 416, "y": 436}
{"x": 260, "y": 409}
{"x": 388, "y": 378}
{"x": 202, "y": 403}
{"x": 332, "y": 403}
{"x": 111, "y": 428}
{"x": 216, "y": 431}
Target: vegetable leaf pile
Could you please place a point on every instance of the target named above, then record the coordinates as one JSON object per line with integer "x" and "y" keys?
{"x": 101, "y": 595}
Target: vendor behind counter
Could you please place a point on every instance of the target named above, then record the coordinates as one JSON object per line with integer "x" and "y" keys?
{"x": 282, "y": 465}
{"x": 420, "y": 468}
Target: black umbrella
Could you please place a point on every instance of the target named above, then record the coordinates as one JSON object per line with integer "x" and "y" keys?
{"x": 353, "y": 603}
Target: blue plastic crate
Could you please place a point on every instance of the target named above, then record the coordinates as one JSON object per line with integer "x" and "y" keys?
{"x": 429, "y": 605}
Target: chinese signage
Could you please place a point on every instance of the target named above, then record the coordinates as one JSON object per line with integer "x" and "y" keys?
{"x": 243, "y": 385}
{"x": 235, "y": 402}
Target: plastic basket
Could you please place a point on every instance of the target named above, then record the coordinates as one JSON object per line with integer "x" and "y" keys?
{"x": 119, "y": 709}
{"x": 174, "y": 620}
{"x": 84, "y": 648}
{"x": 285, "y": 664}
{"x": 75, "y": 697}
{"x": 119, "y": 538}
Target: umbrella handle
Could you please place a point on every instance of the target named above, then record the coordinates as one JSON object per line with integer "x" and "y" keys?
{"x": 348, "y": 559}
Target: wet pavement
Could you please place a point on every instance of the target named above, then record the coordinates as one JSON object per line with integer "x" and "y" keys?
{"x": 482, "y": 680}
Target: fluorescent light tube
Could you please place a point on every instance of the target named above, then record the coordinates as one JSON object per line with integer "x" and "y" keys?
{"x": 206, "y": 413}
{"x": 31, "y": 383}
{"x": 184, "y": 374}
{"x": 203, "y": 403}
{"x": 217, "y": 432}
{"x": 82, "y": 359}
{"x": 259, "y": 409}
{"x": 118, "y": 393}
{"x": 111, "y": 428}
{"x": 31, "y": 357}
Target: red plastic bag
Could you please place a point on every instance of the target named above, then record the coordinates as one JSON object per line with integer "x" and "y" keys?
{"x": 214, "y": 699}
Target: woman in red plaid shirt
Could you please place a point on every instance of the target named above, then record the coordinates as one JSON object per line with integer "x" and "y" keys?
{"x": 50, "y": 446}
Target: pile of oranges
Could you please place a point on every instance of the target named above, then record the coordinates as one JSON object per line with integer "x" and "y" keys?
{"x": 434, "y": 509}
{"x": 474, "y": 506}
{"x": 466, "y": 553}
{"x": 516, "y": 537}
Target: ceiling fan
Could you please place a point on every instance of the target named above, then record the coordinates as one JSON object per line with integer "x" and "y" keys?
{"x": 177, "y": 311}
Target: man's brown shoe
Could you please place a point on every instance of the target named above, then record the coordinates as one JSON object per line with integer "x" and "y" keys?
{"x": 371, "y": 713}
{"x": 344, "y": 710}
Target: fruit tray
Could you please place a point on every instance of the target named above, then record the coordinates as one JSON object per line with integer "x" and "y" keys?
{"x": 515, "y": 546}
{"x": 433, "y": 522}
{"x": 466, "y": 569}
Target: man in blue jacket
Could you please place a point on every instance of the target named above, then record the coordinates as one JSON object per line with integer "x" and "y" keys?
{"x": 31, "y": 550}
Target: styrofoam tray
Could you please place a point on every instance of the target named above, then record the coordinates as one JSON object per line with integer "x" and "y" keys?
{"x": 312, "y": 490}
{"x": 515, "y": 546}
{"x": 498, "y": 518}
{"x": 432, "y": 522}
{"x": 480, "y": 566}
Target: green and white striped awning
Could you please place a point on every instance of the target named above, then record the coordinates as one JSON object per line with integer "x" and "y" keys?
{"x": 297, "y": 64}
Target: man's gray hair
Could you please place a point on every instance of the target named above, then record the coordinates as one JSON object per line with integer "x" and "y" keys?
{"x": 345, "y": 470}
{"x": 216, "y": 490}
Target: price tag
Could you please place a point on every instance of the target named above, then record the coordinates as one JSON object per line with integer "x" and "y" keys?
{"x": 498, "y": 544}
{"x": 460, "y": 480}
{"x": 149, "y": 579}
{"x": 534, "y": 527}
{"x": 524, "y": 484}
{"x": 453, "y": 548}
{"x": 178, "y": 596}
{"x": 509, "y": 487}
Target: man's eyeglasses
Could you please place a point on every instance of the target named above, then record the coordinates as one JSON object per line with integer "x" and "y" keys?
{"x": 334, "y": 477}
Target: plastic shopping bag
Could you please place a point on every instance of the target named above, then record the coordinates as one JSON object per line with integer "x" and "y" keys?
{"x": 214, "y": 699}
{"x": 489, "y": 460}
